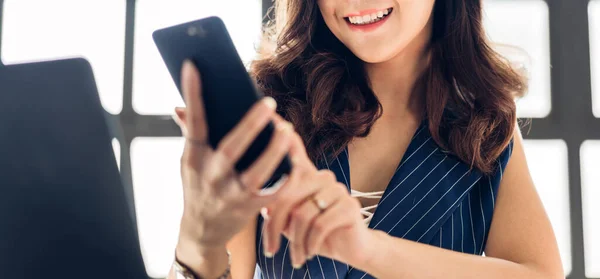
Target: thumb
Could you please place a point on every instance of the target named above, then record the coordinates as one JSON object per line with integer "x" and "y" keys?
{"x": 179, "y": 118}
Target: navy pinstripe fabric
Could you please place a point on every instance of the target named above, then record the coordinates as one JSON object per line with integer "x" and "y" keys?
{"x": 433, "y": 198}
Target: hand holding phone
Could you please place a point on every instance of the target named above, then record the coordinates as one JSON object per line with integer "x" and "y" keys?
{"x": 228, "y": 91}
{"x": 218, "y": 203}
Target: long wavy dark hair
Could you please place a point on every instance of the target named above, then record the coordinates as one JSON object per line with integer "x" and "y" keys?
{"x": 323, "y": 89}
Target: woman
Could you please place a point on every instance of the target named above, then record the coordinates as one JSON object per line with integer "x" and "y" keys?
{"x": 413, "y": 167}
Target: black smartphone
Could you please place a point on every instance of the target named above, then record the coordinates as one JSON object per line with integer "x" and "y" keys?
{"x": 228, "y": 90}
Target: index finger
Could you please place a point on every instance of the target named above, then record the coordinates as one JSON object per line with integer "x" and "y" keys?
{"x": 191, "y": 86}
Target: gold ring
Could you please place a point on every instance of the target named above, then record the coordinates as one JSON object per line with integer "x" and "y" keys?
{"x": 321, "y": 204}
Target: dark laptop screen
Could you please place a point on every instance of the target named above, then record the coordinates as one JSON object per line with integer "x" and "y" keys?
{"x": 63, "y": 211}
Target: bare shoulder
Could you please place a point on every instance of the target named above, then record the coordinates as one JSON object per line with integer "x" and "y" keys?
{"x": 521, "y": 231}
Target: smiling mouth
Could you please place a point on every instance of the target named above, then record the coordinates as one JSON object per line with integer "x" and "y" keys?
{"x": 369, "y": 18}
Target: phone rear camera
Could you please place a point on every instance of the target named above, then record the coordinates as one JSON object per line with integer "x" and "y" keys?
{"x": 192, "y": 31}
{"x": 196, "y": 31}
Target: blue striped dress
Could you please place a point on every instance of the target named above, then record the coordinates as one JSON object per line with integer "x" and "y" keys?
{"x": 433, "y": 198}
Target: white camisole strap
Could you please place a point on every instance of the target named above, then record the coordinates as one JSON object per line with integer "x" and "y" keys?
{"x": 366, "y": 211}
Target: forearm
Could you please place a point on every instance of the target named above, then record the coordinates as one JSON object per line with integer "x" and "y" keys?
{"x": 400, "y": 258}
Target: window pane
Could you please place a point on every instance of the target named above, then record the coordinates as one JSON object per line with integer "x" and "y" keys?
{"x": 547, "y": 160}
{"x": 153, "y": 89}
{"x": 117, "y": 150}
{"x": 590, "y": 164}
{"x": 94, "y": 29}
{"x": 158, "y": 199}
{"x": 525, "y": 39}
{"x": 594, "y": 16}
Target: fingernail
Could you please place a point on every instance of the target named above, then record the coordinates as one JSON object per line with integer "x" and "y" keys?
{"x": 295, "y": 160}
{"x": 270, "y": 102}
{"x": 187, "y": 65}
{"x": 266, "y": 250}
{"x": 297, "y": 266}
{"x": 286, "y": 128}
{"x": 264, "y": 212}
{"x": 281, "y": 127}
{"x": 289, "y": 125}
{"x": 310, "y": 257}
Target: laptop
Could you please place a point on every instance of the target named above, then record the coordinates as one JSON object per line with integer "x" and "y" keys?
{"x": 63, "y": 210}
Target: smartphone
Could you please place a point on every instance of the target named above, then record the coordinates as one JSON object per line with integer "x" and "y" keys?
{"x": 227, "y": 89}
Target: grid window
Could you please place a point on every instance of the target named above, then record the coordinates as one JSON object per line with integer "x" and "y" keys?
{"x": 94, "y": 29}
{"x": 547, "y": 160}
{"x": 158, "y": 199}
{"x": 590, "y": 164}
{"x": 153, "y": 89}
{"x": 520, "y": 30}
{"x": 594, "y": 18}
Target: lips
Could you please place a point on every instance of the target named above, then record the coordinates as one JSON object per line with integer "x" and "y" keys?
{"x": 366, "y": 12}
{"x": 368, "y": 20}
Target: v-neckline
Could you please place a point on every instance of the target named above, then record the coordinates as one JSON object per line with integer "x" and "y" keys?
{"x": 345, "y": 168}
{"x": 428, "y": 186}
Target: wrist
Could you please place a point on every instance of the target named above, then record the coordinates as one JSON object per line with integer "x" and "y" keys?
{"x": 205, "y": 261}
{"x": 371, "y": 250}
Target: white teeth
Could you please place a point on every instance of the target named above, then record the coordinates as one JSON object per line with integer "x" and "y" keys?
{"x": 367, "y": 19}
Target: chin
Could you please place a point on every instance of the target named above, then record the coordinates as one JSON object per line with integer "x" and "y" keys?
{"x": 374, "y": 54}
{"x": 377, "y": 49}
{"x": 374, "y": 57}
